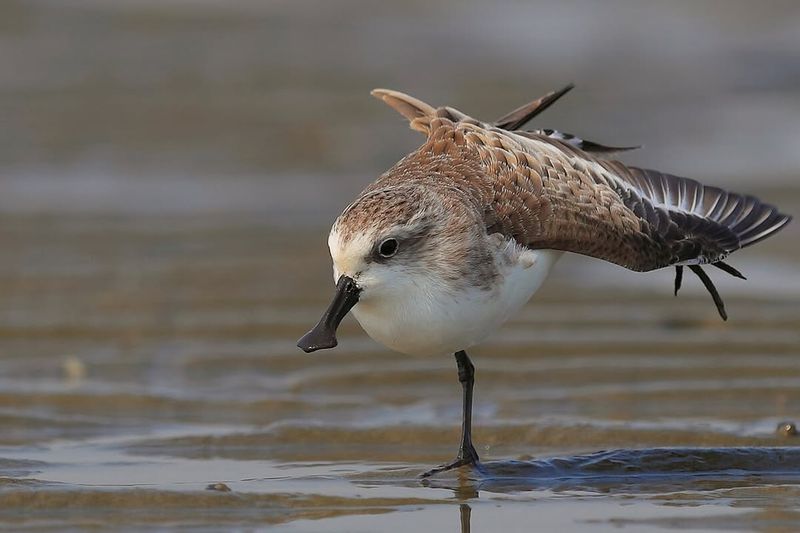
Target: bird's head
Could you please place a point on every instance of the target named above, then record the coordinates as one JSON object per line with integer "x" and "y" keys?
{"x": 398, "y": 245}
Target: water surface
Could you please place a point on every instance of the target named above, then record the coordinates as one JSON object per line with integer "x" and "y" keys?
{"x": 146, "y": 359}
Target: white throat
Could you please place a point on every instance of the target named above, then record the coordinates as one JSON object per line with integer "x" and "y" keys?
{"x": 422, "y": 319}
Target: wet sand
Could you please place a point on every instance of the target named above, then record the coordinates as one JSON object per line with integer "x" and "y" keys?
{"x": 149, "y": 378}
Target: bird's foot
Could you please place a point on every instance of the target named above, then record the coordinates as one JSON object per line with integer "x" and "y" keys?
{"x": 466, "y": 457}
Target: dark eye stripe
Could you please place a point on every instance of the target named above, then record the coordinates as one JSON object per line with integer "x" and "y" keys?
{"x": 409, "y": 239}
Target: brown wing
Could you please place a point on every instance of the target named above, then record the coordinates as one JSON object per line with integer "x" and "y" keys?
{"x": 545, "y": 191}
{"x": 564, "y": 199}
{"x": 559, "y": 197}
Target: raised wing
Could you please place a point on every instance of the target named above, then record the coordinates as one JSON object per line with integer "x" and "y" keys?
{"x": 414, "y": 109}
{"x": 523, "y": 114}
{"x": 514, "y": 121}
{"x": 546, "y": 190}
{"x": 561, "y": 198}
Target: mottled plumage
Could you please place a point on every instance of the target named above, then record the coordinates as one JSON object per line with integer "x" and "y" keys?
{"x": 549, "y": 190}
{"x": 451, "y": 241}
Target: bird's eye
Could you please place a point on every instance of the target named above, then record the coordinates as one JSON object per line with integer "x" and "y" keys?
{"x": 388, "y": 248}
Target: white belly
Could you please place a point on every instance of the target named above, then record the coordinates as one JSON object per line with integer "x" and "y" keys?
{"x": 420, "y": 321}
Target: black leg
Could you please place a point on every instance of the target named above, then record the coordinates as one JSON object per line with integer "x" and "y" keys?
{"x": 466, "y": 451}
{"x": 466, "y": 512}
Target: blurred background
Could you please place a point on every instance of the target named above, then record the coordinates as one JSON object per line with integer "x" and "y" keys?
{"x": 169, "y": 170}
{"x": 195, "y": 106}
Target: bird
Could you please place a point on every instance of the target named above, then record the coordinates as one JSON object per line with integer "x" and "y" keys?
{"x": 449, "y": 243}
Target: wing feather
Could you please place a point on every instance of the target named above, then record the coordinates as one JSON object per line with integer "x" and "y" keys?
{"x": 638, "y": 218}
{"x": 547, "y": 189}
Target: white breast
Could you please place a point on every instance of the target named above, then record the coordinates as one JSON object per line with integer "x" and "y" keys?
{"x": 424, "y": 319}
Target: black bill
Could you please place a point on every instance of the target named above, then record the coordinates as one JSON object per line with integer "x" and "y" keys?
{"x": 324, "y": 333}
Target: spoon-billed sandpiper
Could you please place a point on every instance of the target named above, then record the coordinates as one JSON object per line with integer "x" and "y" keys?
{"x": 449, "y": 243}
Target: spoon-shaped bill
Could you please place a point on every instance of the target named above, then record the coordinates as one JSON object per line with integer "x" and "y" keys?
{"x": 324, "y": 333}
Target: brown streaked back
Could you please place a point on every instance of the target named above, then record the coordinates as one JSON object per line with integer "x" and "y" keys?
{"x": 551, "y": 190}
{"x": 546, "y": 192}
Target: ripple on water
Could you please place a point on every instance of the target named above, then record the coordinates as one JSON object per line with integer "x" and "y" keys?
{"x": 648, "y": 471}
{"x": 189, "y": 376}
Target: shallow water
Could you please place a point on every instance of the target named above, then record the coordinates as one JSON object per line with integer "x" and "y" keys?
{"x": 144, "y": 360}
